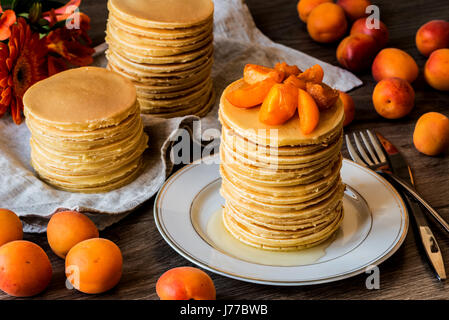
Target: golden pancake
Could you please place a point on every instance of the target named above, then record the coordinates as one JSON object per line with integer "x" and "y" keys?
{"x": 81, "y": 99}
{"x": 199, "y": 110}
{"x": 178, "y": 58}
{"x": 163, "y": 34}
{"x": 142, "y": 69}
{"x": 147, "y": 50}
{"x": 162, "y": 13}
{"x": 245, "y": 122}
{"x": 315, "y": 236}
{"x": 117, "y": 33}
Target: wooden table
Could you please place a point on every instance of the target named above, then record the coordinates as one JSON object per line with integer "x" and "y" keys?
{"x": 406, "y": 275}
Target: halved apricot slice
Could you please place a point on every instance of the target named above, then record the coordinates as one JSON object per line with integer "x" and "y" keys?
{"x": 279, "y": 105}
{"x": 298, "y": 83}
{"x": 314, "y": 74}
{"x": 309, "y": 114}
{"x": 254, "y": 73}
{"x": 324, "y": 96}
{"x": 250, "y": 95}
{"x": 287, "y": 69}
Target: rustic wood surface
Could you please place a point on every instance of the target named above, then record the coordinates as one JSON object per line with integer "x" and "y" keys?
{"x": 406, "y": 275}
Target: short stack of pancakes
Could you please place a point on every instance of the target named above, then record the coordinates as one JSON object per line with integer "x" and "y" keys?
{"x": 282, "y": 188}
{"x": 165, "y": 48}
{"x": 86, "y": 131}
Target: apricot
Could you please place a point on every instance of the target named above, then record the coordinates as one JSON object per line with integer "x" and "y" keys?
{"x": 431, "y": 135}
{"x": 253, "y": 73}
{"x": 324, "y": 96}
{"x": 354, "y": 9}
{"x": 327, "y": 23}
{"x": 357, "y": 51}
{"x": 392, "y": 62}
{"x": 185, "y": 283}
{"x": 304, "y": 7}
{"x": 314, "y": 74}
{"x": 94, "y": 265}
{"x": 309, "y": 114}
{"x": 294, "y": 81}
{"x": 432, "y": 36}
{"x": 288, "y": 70}
{"x": 25, "y": 269}
{"x": 66, "y": 229}
{"x": 279, "y": 105}
{"x": 349, "y": 107}
{"x": 379, "y": 34}
{"x": 436, "y": 70}
{"x": 250, "y": 95}
{"x": 10, "y": 227}
{"x": 393, "y": 98}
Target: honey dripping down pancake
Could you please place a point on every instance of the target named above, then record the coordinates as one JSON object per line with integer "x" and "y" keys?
{"x": 282, "y": 187}
{"x": 165, "y": 48}
{"x": 86, "y": 131}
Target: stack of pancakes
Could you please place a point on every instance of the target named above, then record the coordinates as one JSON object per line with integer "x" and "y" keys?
{"x": 86, "y": 131}
{"x": 282, "y": 188}
{"x": 165, "y": 47}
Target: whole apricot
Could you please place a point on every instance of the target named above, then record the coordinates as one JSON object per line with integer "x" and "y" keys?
{"x": 393, "y": 98}
{"x": 10, "y": 227}
{"x": 436, "y": 70}
{"x": 394, "y": 63}
{"x": 357, "y": 51}
{"x": 380, "y": 33}
{"x": 185, "y": 283}
{"x": 67, "y": 228}
{"x": 354, "y": 9}
{"x": 25, "y": 269}
{"x": 349, "y": 106}
{"x": 327, "y": 23}
{"x": 94, "y": 265}
{"x": 304, "y": 7}
{"x": 432, "y": 36}
{"x": 431, "y": 135}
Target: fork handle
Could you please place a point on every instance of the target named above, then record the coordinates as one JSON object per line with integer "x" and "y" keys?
{"x": 418, "y": 198}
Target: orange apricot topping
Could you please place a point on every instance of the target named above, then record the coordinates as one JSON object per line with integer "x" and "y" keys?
{"x": 287, "y": 69}
{"x": 309, "y": 114}
{"x": 250, "y": 95}
{"x": 293, "y": 80}
{"x": 254, "y": 73}
{"x": 314, "y": 74}
{"x": 280, "y": 104}
{"x": 324, "y": 96}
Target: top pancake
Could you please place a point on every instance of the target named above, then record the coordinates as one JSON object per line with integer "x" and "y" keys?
{"x": 81, "y": 99}
{"x": 245, "y": 122}
{"x": 163, "y": 13}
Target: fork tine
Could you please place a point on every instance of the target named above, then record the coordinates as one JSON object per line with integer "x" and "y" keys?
{"x": 352, "y": 151}
{"x": 370, "y": 149}
{"x": 377, "y": 147}
{"x": 362, "y": 150}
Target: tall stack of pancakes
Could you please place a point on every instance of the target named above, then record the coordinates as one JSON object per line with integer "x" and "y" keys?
{"x": 86, "y": 131}
{"x": 165, "y": 47}
{"x": 282, "y": 188}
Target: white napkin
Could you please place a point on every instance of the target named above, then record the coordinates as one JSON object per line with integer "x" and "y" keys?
{"x": 237, "y": 41}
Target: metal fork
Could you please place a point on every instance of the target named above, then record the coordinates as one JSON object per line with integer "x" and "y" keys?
{"x": 378, "y": 161}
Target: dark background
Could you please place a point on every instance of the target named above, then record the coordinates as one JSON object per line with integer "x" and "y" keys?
{"x": 406, "y": 275}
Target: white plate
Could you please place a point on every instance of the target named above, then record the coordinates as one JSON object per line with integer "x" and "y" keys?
{"x": 374, "y": 227}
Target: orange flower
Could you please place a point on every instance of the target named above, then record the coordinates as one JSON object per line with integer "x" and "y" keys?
{"x": 63, "y": 12}
{"x": 22, "y": 63}
{"x": 7, "y": 19}
{"x": 72, "y": 44}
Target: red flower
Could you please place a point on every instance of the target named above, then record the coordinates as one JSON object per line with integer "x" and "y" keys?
{"x": 63, "y": 12}
{"x": 7, "y": 19}
{"x": 22, "y": 63}
{"x": 72, "y": 44}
